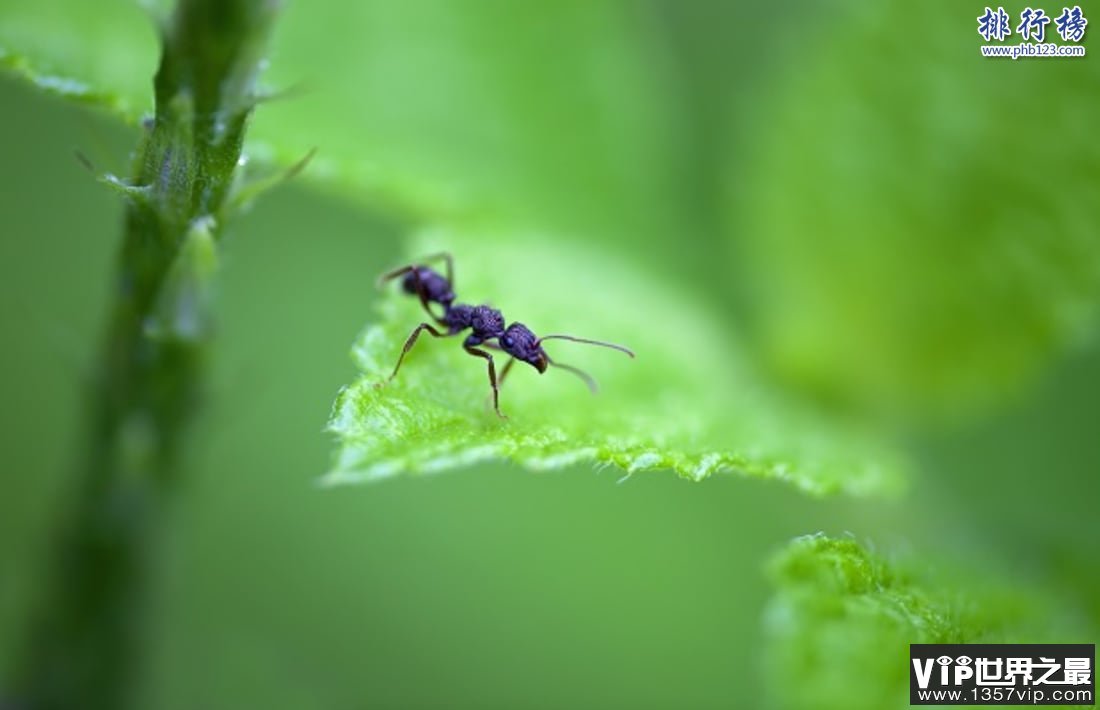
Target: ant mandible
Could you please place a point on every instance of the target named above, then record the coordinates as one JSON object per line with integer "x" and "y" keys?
{"x": 486, "y": 323}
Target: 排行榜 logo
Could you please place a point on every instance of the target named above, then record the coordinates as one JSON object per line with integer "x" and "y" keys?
{"x": 1040, "y": 34}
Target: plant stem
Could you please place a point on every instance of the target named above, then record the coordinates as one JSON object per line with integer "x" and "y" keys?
{"x": 84, "y": 649}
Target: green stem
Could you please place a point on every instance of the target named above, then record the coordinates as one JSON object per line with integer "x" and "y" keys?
{"x": 84, "y": 643}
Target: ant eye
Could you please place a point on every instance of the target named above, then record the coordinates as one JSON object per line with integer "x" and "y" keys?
{"x": 506, "y": 341}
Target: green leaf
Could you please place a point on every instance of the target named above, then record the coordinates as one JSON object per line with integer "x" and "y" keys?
{"x": 687, "y": 403}
{"x": 912, "y": 245}
{"x": 842, "y": 618}
{"x": 917, "y": 231}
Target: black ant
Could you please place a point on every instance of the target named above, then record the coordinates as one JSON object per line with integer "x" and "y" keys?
{"x": 486, "y": 323}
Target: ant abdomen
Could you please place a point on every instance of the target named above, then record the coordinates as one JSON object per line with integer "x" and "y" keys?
{"x": 435, "y": 287}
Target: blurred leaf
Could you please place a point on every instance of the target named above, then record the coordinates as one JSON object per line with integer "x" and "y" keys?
{"x": 687, "y": 403}
{"x": 481, "y": 110}
{"x": 102, "y": 53}
{"x": 842, "y": 618}
{"x": 485, "y": 109}
{"x": 917, "y": 224}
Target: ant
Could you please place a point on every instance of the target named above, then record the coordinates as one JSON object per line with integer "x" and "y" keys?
{"x": 485, "y": 322}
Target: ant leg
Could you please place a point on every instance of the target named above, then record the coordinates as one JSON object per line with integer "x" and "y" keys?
{"x": 390, "y": 275}
{"x": 507, "y": 366}
{"x": 504, "y": 371}
{"x": 492, "y": 377}
{"x": 409, "y": 343}
{"x": 445, "y": 256}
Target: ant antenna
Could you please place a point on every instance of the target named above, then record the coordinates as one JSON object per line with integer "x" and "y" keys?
{"x": 620, "y": 348}
{"x": 588, "y": 379}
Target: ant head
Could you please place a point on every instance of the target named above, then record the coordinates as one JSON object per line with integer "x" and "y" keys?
{"x": 519, "y": 342}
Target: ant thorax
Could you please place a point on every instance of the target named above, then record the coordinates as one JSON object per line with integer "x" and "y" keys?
{"x": 486, "y": 322}
{"x": 458, "y": 317}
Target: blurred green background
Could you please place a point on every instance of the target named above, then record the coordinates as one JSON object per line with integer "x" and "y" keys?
{"x": 896, "y": 228}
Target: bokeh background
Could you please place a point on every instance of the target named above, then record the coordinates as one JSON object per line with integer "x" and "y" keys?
{"x": 895, "y": 228}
